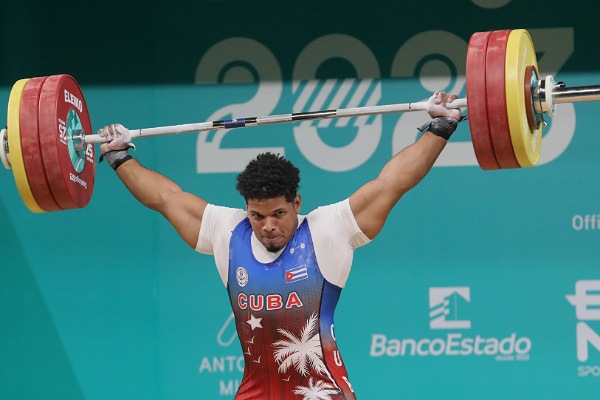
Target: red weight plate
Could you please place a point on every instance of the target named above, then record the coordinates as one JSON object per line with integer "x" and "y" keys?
{"x": 477, "y": 101}
{"x": 495, "y": 84}
{"x": 30, "y": 145}
{"x": 62, "y": 110}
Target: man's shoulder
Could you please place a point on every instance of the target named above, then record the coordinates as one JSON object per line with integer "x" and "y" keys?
{"x": 330, "y": 209}
{"x": 224, "y": 211}
{"x": 223, "y": 216}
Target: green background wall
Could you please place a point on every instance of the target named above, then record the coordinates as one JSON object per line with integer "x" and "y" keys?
{"x": 108, "y": 303}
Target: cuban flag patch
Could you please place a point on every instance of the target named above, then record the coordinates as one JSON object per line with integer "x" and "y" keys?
{"x": 296, "y": 274}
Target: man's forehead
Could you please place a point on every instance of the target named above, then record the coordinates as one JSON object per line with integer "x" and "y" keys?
{"x": 267, "y": 206}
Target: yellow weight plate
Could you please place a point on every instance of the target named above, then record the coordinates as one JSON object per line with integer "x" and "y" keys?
{"x": 14, "y": 143}
{"x": 520, "y": 54}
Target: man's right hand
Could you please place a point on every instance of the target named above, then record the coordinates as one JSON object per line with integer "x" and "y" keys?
{"x": 437, "y": 106}
{"x": 116, "y": 137}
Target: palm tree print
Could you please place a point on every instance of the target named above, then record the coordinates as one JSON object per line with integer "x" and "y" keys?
{"x": 319, "y": 391}
{"x": 301, "y": 352}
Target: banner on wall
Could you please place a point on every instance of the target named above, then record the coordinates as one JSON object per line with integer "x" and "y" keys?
{"x": 457, "y": 283}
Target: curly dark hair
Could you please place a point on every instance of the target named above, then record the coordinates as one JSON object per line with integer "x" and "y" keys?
{"x": 268, "y": 176}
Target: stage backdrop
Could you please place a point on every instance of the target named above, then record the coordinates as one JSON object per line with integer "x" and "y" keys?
{"x": 482, "y": 285}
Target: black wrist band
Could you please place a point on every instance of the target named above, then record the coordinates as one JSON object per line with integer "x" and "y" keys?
{"x": 115, "y": 158}
{"x": 441, "y": 126}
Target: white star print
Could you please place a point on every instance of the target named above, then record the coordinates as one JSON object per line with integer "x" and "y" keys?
{"x": 254, "y": 322}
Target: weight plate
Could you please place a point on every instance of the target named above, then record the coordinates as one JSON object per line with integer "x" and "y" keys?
{"x": 476, "y": 100}
{"x": 30, "y": 145}
{"x": 496, "y": 99}
{"x": 520, "y": 54}
{"x": 13, "y": 125}
{"x": 63, "y": 111}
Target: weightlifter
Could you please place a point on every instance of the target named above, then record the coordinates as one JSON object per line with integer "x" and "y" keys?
{"x": 284, "y": 271}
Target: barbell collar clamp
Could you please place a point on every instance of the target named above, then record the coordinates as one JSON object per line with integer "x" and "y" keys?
{"x": 546, "y": 96}
{"x": 4, "y": 150}
{"x": 78, "y": 139}
{"x": 548, "y": 93}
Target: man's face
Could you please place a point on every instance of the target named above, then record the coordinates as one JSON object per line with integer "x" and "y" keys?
{"x": 274, "y": 221}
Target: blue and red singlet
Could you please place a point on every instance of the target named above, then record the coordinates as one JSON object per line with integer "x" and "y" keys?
{"x": 284, "y": 303}
{"x": 284, "y": 318}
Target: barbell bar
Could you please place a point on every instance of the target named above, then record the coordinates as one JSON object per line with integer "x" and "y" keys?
{"x": 81, "y": 139}
{"x": 48, "y": 146}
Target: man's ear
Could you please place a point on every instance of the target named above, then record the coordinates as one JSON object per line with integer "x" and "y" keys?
{"x": 298, "y": 203}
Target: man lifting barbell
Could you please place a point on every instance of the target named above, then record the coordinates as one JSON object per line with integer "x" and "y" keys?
{"x": 47, "y": 145}
{"x": 284, "y": 271}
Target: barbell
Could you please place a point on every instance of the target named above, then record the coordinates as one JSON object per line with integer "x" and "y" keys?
{"x": 48, "y": 145}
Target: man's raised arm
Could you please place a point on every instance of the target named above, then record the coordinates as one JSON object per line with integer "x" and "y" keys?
{"x": 372, "y": 203}
{"x": 183, "y": 210}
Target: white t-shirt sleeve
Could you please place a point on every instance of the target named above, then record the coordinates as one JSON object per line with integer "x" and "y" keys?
{"x": 217, "y": 224}
{"x": 336, "y": 235}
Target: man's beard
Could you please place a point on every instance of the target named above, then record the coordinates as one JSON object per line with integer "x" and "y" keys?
{"x": 273, "y": 249}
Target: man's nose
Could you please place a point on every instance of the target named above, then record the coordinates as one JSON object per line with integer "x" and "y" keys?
{"x": 269, "y": 224}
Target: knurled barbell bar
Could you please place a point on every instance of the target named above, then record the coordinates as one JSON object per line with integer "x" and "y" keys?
{"x": 47, "y": 145}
